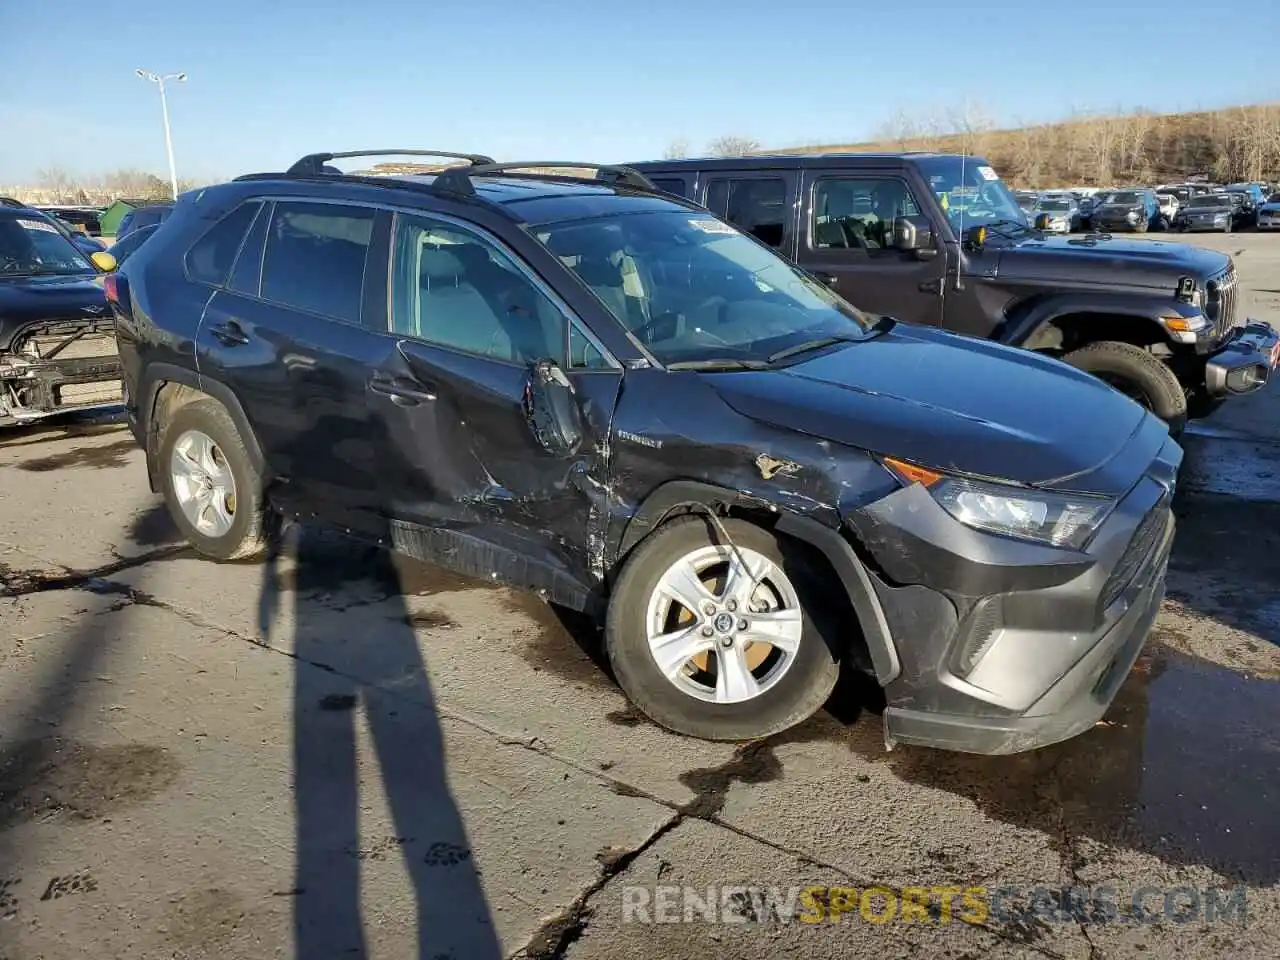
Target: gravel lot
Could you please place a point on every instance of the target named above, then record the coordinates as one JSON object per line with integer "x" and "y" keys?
{"x": 341, "y": 754}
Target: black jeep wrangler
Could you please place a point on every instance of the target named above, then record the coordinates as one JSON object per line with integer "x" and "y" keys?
{"x": 940, "y": 240}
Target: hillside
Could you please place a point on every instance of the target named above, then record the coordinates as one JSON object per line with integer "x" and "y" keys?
{"x": 1238, "y": 143}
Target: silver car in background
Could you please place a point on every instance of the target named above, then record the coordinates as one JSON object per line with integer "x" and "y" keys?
{"x": 1269, "y": 213}
{"x": 1059, "y": 214}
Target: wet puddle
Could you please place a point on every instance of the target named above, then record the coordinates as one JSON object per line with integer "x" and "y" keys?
{"x": 118, "y": 453}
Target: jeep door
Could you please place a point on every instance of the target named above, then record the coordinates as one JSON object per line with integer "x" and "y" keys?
{"x": 491, "y": 413}
{"x": 846, "y": 240}
{"x": 285, "y": 335}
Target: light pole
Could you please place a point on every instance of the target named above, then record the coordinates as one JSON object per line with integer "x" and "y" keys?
{"x": 159, "y": 80}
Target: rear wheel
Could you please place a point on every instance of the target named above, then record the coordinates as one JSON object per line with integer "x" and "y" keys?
{"x": 717, "y": 639}
{"x": 1139, "y": 375}
{"x": 210, "y": 485}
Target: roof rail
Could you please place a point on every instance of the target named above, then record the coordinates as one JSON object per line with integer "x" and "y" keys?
{"x": 458, "y": 179}
{"x": 314, "y": 164}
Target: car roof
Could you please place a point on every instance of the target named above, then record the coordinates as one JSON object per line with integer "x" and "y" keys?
{"x": 799, "y": 159}
{"x": 523, "y": 198}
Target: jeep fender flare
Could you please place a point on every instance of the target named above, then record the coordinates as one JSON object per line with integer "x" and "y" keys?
{"x": 157, "y": 375}
{"x": 1025, "y": 323}
{"x": 682, "y": 495}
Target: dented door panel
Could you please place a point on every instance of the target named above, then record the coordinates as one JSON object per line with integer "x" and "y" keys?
{"x": 463, "y": 455}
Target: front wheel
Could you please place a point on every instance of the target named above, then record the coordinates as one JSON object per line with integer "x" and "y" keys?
{"x": 1139, "y": 375}
{"x": 717, "y": 637}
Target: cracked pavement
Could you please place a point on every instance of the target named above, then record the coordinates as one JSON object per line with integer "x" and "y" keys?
{"x": 339, "y": 753}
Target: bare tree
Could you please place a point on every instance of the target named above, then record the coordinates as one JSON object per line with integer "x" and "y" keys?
{"x": 733, "y": 146}
{"x": 677, "y": 149}
{"x": 59, "y": 184}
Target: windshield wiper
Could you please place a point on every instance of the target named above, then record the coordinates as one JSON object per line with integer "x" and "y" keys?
{"x": 808, "y": 346}
{"x": 718, "y": 363}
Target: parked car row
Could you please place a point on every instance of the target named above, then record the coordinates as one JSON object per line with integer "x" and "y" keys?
{"x": 1188, "y": 206}
{"x": 649, "y": 396}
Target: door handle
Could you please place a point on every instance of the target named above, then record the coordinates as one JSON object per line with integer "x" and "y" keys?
{"x": 229, "y": 334}
{"x": 400, "y": 390}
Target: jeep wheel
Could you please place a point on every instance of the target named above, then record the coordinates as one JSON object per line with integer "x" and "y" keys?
{"x": 210, "y": 485}
{"x": 717, "y": 640}
{"x": 1137, "y": 374}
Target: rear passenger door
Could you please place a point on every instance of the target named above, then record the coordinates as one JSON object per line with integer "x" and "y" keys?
{"x": 456, "y": 410}
{"x": 847, "y": 241}
{"x": 284, "y": 330}
{"x": 761, "y": 203}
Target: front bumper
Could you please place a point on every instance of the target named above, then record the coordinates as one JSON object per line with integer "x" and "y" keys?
{"x": 1244, "y": 362}
{"x": 47, "y": 388}
{"x": 1006, "y": 646}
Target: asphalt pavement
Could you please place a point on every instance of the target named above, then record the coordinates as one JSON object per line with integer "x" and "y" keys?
{"x": 339, "y": 753}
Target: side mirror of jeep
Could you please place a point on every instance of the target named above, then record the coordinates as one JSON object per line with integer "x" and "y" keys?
{"x": 914, "y": 234}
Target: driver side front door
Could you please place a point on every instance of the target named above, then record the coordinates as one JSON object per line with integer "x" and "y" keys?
{"x": 492, "y": 440}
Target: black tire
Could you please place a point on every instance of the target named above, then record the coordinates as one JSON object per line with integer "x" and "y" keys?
{"x": 797, "y": 694}
{"x": 248, "y": 534}
{"x": 1137, "y": 373}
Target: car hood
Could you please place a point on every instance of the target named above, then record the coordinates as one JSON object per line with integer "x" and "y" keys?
{"x": 24, "y": 300}
{"x": 1117, "y": 261}
{"x": 956, "y": 404}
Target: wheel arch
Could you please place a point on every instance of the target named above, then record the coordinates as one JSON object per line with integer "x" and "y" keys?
{"x": 682, "y": 497}
{"x": 1062, "y": 324}
{"x": 168, "y": 387}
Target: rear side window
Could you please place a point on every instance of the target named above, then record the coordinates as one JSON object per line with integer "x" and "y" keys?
{"x": 673, "y": 185}
{"x": 315, "y": 258}
{"x": 210, "y": 259}
{"x": 757, "y": 206}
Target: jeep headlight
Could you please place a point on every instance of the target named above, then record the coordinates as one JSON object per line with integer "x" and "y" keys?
{"x": 1131, "y": 215}
{"x": 1067, "y": 520}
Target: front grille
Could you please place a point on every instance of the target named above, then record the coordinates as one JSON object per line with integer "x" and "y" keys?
{"x": 1146, "y": 539}
{"x": 1220, "y": 301}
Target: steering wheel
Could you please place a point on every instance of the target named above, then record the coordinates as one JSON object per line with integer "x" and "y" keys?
{"x": 641, "y": 331}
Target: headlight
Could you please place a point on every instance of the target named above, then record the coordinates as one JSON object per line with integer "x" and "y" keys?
{"x": 1066, "y": 520}
{"x": 1131, "y": 215}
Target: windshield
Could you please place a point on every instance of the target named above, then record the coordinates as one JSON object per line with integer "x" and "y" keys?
{"x": 691, "y": 287}
{"x": 1054, "y": 204}
{"x": 970, "y": 192}
{"x": 29, "y": 245}
{"x": 1124, "y": 196}
{"x": 1274, "y": 198}
{"x": 1208, "y": 202}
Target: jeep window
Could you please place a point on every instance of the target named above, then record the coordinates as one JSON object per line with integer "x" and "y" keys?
{"x": 31, "y": 244}
{"x": 971, "y": 193}
{"x": 315, "y": 257}
{"x": 859, "y": 213}
{"x": 209, "y": 260}
{"x": 757, "y": 206}
{"x": 691, "y": 287}
{"x": 455, "y": 289}
{"x": 673, "y": 185}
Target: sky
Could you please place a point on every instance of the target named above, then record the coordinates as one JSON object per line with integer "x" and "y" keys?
{"x": 270, "y": 80}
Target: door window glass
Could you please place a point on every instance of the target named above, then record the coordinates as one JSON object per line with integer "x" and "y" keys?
{"x": 756, "y": 206}
{"x": 315, "y": 258}
{"x": 669, "y": 185}
{"x": 858, "y": 214}
{"x": 210, "y": 259}
{"x": 456, "y": 289}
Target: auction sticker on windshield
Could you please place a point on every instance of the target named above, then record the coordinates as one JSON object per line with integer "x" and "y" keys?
{"x": 712, "y": 226}
{"x": 988, "y": 173}
{"x": 39, "y": 225}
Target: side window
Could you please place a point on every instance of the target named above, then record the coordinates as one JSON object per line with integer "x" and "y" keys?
{"x": 756, "y": 206}
{"x": 314, "y": 259}
{"x": 455, "y": 289}
{"x": 858, "y": 213}
{"x": 674, "y": 185}
{"x": 209, "y": 260}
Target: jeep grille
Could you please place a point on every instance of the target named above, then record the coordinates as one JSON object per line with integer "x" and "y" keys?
{"x": 1220, "y": 301}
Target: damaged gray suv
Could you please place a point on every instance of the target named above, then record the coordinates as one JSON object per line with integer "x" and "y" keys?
{"x": 603, "y": 393}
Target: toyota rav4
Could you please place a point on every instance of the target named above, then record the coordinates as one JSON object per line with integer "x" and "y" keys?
{"x": 591, "y": 389}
